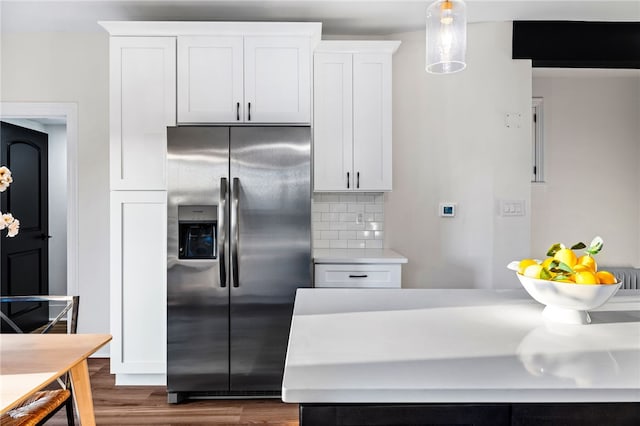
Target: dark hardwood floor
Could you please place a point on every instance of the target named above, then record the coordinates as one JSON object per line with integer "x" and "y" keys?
{"x": 147, "y": 405}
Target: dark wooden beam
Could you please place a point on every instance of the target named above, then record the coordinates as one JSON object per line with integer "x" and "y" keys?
{"x": 576, "y": 44}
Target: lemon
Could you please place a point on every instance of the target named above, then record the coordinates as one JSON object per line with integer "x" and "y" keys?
{"x": 547, "y": 262}
{"x": 586, "y": 277}
{"x": 582, "y": 268}
{"x": 524, "y": 263}
{"x": 606, "y": 277}
{"x": 588, "y": 261}
{"x": 533, "y": 271}
{"x": 566, "y": 256}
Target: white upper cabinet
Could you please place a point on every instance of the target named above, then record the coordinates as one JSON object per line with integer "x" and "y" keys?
{"x": 210, "y": 79}
{"x": 251, "y": 79}
{"x": 277, "y": 79}
{"x": 332, "y": 121}
{"x": 227, "y": 72}
{"x": 143, "y": 104}
{"x": 352, "y": 115}
{"x": 372, "y": 121}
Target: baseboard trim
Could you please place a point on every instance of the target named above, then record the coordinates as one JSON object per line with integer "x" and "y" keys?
{"x": 103, "y": 352}
{"x": 141, "y": 380}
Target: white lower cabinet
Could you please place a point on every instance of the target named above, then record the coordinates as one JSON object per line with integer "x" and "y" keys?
{"x": 347, "y": 275}
{"x": 138, "y": 286}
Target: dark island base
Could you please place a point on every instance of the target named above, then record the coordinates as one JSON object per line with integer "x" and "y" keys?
{"x": 558, "y": 414}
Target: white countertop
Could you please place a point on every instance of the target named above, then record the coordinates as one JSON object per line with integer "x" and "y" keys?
{"x": 424, "y": 345}
{"x": 357, "y": 256}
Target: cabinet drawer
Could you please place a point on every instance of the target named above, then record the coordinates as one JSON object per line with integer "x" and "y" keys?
{"x": 357, "y": 275}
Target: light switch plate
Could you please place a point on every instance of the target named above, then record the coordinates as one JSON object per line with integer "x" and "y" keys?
{"x": 512, "y": 208}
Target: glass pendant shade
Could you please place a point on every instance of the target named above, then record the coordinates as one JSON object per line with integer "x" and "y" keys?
{"x": 446, "y": 36}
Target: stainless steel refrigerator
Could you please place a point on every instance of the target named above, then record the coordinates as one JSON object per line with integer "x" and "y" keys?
{"x": 239, "y": 245}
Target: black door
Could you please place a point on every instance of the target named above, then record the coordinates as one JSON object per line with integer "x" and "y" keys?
{"x": 25, "y": 257}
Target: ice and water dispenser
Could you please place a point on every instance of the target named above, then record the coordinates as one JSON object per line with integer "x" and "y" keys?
{"x": 197, "y": 232}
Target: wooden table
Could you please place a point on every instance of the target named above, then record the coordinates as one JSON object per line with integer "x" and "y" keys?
{"x": 29, "y": 362}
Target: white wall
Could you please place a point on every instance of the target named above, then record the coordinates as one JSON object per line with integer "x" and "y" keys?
{"x": 450, "y": 143}
{"x": 73, "y": 67}
{"x": 592, "y": 163}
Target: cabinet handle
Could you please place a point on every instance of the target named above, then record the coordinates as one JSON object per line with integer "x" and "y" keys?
{"x": 249, "y": 111}
{"x": 348, "y": 180}
{"x": 238, "y": 111}
{"x": 358, "y": 276}
{"x": 358, "y": 180}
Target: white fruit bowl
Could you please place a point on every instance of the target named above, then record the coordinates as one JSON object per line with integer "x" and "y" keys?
{"x": 566, "y": 302}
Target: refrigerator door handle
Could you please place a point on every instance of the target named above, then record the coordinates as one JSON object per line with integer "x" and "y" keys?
{"x": 222, "y": 230}
{"x": 235, "y": 232}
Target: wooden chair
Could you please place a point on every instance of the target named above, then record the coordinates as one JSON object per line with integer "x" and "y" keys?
{"x": 46, "y": 403}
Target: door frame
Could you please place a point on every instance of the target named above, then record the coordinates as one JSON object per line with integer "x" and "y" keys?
{"x": 68, "y": 111}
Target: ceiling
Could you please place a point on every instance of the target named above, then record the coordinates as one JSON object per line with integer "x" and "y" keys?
{"x": 339, "y": 17}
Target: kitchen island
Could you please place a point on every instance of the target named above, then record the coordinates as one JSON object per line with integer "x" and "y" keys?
{"x": 482, "y": 357}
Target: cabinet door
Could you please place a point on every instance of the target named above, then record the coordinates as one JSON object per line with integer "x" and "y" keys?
{"x": 143, "y": 104}
{"x": 138, "y": 281}
{"x": 210, "y": 80}
{"x": 277, "y": 79}
{"x": 332, "y": 134}
{"x": 372, "y": 121}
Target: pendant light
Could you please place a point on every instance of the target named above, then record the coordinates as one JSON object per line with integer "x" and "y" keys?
{"x": 446, "y": 36}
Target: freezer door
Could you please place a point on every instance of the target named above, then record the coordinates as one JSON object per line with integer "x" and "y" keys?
{"x": 270, "y": 248}
{"x": 197, "y": 287}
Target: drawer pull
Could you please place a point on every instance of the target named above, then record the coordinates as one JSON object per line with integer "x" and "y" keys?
{"x": 358, "y": 276}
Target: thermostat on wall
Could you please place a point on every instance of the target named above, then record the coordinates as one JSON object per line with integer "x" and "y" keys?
{"x": 447, "y": 209}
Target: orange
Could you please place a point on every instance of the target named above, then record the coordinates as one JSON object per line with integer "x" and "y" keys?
{"x": 567, "y": 256}
{"x": 524, "y": 263}
{"x": 606, "y": 277}
{"x": 588, "y": 261}
{"x": 586, "y": 277}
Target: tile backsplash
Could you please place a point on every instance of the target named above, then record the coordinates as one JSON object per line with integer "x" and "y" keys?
{"x": 347, "y": 220}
